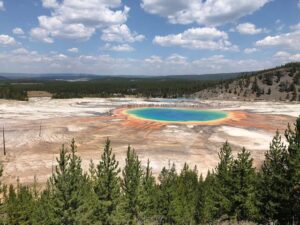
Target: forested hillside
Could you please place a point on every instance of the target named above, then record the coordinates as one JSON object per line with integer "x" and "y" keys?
{"x": 231, "y": 193}
{"x": 279, "y": 84}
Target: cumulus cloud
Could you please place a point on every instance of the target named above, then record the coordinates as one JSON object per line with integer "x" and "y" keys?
{"x": 50, "y": 4}
{"x": 289, "y": 40}
{"x": 76, "y": 19}
{"x": 287, "y": 57}
{"x": 209, "y": 12}
{"x": 35, "y": 62}
{"x": 1, "y": 6}
{"x": 41, "y": 35}
{"x": 73, "y": 50}
{"x": 120, "y": 33}
{"x": 211, "y": 64}
{"x": 18, "y": 31}
{"x": 25, "y": 60}
{"x": 6, "y": 40}
{"x": 198, "y": 38}
{"x": 248, "y": 28}
{"x": 119, "y": 48}
{"x": 295, "y": 27}
{"x": 250, "y": 50}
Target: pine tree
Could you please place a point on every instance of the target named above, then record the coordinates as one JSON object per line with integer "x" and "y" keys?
{"x": 67, "y": 188}
{"x": 293, "y": 171}
{"x": 183, "y": 207}
{"x": 131, "y": 186}
{"x": 206, "y": 209}
{"x": 148, "y": 196}
{"x": 107, "y": 186}
{"x": 167, "y": 191}
{"x": 244, "y": 187}
{"x": 224, "y": 181}
{"x": 44, "y": 213}
{"x": 272, "y": 188}
{"x": 20, "y": 205}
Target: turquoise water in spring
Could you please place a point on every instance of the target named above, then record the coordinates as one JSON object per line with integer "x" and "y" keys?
{"x": 177, "y": 115}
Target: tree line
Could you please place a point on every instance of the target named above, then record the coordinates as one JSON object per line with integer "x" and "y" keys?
{"x": 109, "y": 87}
{"x": 231, "y": 193}
{"x": 8, "y": 91}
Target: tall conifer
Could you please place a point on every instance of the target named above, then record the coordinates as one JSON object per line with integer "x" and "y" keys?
{"x": 107, "y": 186}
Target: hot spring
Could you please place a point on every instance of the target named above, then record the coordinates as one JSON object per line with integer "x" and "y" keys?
{"x": 177, "y": 115}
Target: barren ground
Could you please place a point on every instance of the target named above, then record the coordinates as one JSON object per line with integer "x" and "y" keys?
{"x": 35, "y": 130}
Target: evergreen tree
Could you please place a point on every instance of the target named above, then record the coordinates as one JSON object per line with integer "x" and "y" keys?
{"x": 107, "y": 186}
{"x": 293, "y": 171}
{"x": 148, "y": 196}
{"x": 131, "y": 185}
{"x": 184, "y": 205}
{"x": 244, "y": 187}
{"x": 67, "y": 187}
{"x": 19, "y": 206}
{"x": 44, "y": 213}
{"x": 272, "y": 188}
{"x": 206, "y": 209}
{"x": 167, "y": 191}
{"x": 224, "y": 181}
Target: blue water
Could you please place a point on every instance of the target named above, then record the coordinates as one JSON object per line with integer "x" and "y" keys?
{"x": 177, "y": 115}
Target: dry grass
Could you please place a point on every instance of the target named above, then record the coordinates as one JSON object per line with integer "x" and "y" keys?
{"x": 32, "y": 94}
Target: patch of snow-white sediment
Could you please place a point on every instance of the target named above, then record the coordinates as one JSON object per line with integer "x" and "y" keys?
{"x": 240, "y": 137}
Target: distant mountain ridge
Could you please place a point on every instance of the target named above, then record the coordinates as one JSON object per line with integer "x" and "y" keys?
{"x": 276, "y": 84}
{"x": 3, "y": 78}
{"x": 88, "y": 77}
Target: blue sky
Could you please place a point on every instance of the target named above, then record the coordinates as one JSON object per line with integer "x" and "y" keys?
{"x": 147, "y": 37}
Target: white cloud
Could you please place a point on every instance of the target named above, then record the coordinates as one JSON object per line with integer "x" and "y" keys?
{"x": 250, "y": 50}
{"x": 119, "y": 48}
{"x": 34, "y": 62}
{"x": 73, "y": 50}
{"x": 212, "y": 64}
{"x": 289, "y": 40}
{"x": 154, "y": 59}
{"x": 209, "y": 12}
{"x": 1, "y": 6}
{"x": 41, "y": 35}
{"x": 20, "y": 51}
{"x": 120, "y": 33}
{"x": 77, "y": 19}
{"x": 248, "y": 28}
{"x": 287, "y": 57}
{"x": 198, "y": 38}
{"x": 174, "y": 59}
{"x": 50, "y": 4}
{"x": 18, "y": 31}
{"x": 177, "y": 59}
{"x": 295, "y": 27}
{"x": 6, "y": 40}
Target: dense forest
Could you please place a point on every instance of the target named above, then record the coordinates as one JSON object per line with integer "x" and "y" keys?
{"x": 280, "y": 83}
{"x": 231, "y": 193}
{"x": 8, "y": 91}
{"x": 108, "y": 87}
